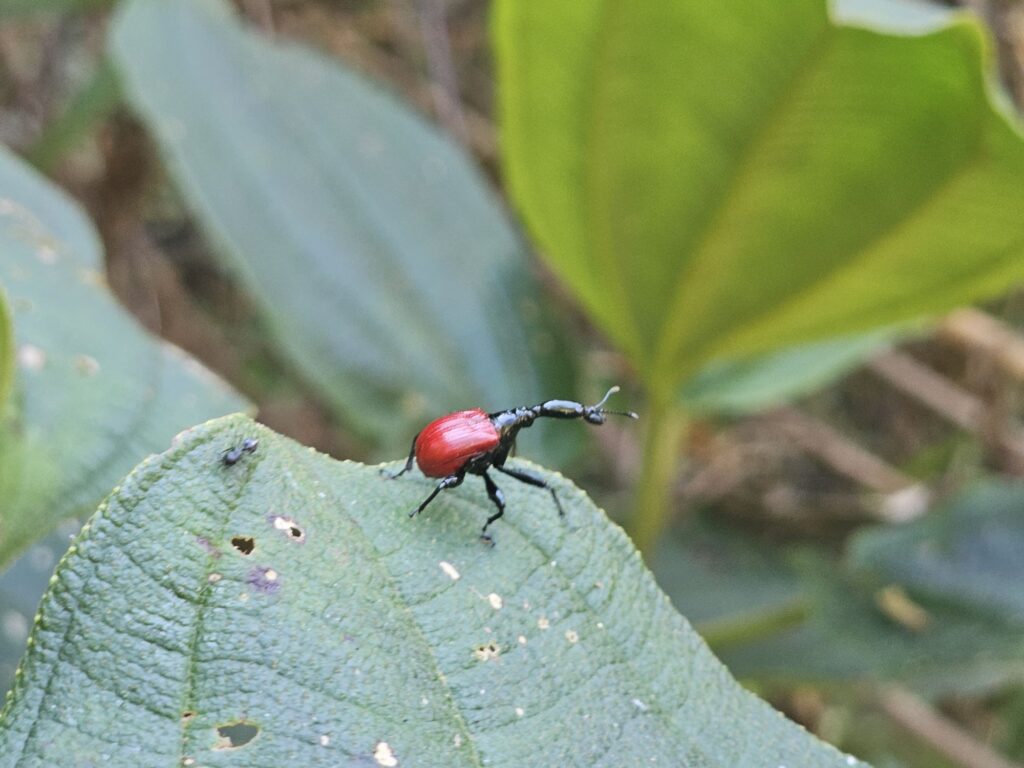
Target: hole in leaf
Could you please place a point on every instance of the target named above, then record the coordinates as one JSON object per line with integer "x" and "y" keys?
{"x": 235, "y": 735}
{"x": 487, "y": 651}
{"x": 288, "y": 527}
{"x": 187, "y": 715}
{"x": 244, "y": 544}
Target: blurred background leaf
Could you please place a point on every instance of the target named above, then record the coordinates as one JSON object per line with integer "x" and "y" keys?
{"x": 969, "y": 553}
{"x": 696, "y": 220}
{"x": 900, "y": 223}
{"x": 93, "y": 391}
{"x": 796, "y": 615}
{"x": 745, "y": 386}
{"x": 388, "y": 270}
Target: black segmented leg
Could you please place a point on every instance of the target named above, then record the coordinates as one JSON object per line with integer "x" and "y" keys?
{"x": 531, "y": 479}
{"x": 408, "y": 462}
{"x": 495, "y": 495}
{"x": 449, "y": 482}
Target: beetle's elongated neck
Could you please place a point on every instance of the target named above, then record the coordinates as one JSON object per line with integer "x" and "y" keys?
{"x": 560, "y": 409}
{"x": 508, "y": 423}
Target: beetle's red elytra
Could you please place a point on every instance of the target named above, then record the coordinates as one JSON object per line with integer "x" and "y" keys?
{"x": 473, "y": 441}
{"x": 446, "y": 444}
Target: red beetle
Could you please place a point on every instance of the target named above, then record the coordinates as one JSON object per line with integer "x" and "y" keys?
{"x": 473, "y": 441}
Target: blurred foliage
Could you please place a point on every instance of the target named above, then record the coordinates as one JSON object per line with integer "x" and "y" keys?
{"x": 809, "y": 204}
{"x": 970, "y": 553}
{"x": 93, "y": 391}
{"x": 739, "y": 387}
{"x": 930, "y": 604}
{"x": 697, "y": 220}
{"x": 391, "y": 276}
{"x": 89, "y": 106}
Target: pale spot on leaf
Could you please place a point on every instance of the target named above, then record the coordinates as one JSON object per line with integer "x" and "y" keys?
{"x": 384, "y": 756}
{"x": 450, "y": 570}
{"x": 31, "y": 357}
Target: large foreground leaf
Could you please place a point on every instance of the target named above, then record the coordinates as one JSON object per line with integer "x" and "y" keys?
{"x": 288, "y": 602}
{"x": 721, "y": 179}
{"x": 390, "y": 273}
{"x": 94, "y": 393}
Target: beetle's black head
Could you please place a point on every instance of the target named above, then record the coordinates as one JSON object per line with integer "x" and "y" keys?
{"x": 595, "y": 414}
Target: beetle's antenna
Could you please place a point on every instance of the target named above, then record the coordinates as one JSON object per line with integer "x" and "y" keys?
{"x": 609, "y": 393}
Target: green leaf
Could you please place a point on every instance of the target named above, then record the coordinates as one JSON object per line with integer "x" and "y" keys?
{"x": 737, "y": 387}
{"x": 389, "y": 272}
{"x": 350, "y": 634}
{"x": 93, "y": 392}
{"x": 721, "y": 179}
{"x": 970, "y": 554}
{"x": 732, "y": 586}
{"x": 792, "y": 616}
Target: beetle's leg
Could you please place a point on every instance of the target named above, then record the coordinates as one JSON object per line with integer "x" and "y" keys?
{"x": 531, "y": 479}
{"x": 449, "y": 482}
{"x": 495, "y": 495}
{"x": 408, "y": 462}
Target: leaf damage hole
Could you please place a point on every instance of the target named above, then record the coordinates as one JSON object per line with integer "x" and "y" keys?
{"x": 187, "y": 715}
{"x": 289, "y": 527}
{"x": 244, "y": 544}
{"x": 487, "y": 651}
{"x": 236, "y": 735}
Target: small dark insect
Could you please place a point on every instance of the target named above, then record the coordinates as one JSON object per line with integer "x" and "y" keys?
{"x": 471, "y": 442}
{"x": 233, "y": 455}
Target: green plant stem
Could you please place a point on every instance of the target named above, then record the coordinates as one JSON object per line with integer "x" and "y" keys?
{"x": 665, "y": 425}
{"x": 733, "y": 631}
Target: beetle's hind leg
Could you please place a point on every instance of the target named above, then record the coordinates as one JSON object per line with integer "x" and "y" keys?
{"x": 498, "y": 498}
{"x": 408, "y": 462}
{"x": 449, "y": 482}
{"x": 531, "y": 479}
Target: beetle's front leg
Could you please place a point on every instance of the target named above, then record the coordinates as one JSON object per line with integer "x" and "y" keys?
{"x": 449, "y": 482}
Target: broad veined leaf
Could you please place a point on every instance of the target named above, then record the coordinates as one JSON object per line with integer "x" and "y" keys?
{"x": 720, "y": 179}
{"x": 93, "y": 392}
{"x": 971, "y": 553}
{"x": 286, "y": 611}
{"x": 390, "y": 274}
